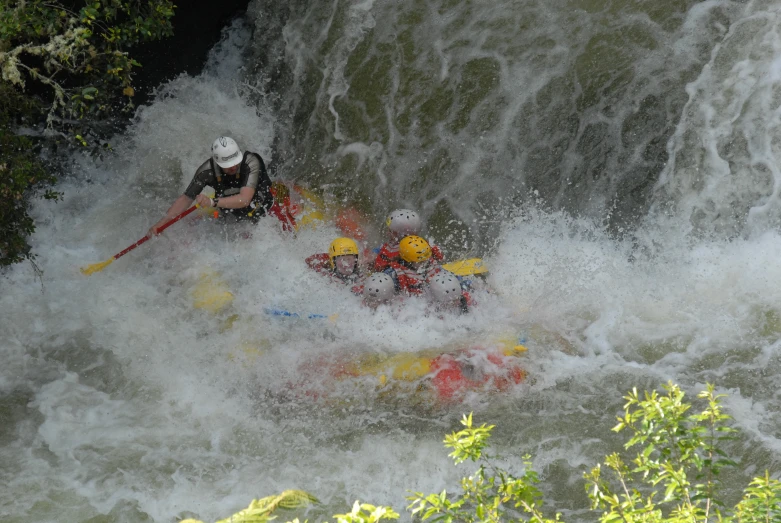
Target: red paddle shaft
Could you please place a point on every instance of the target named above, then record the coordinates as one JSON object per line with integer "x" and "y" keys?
{"x": 159, "y": 230}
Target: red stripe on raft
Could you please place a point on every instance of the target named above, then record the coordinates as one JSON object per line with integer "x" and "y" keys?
{"x": 453, "y": 377}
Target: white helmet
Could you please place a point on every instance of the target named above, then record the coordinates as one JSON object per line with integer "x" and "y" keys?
{"x": 444, "y": 287}
{"x": 379, "y": 288}
{"x": 404, "y": 222}
{"x": 226, "y": 152}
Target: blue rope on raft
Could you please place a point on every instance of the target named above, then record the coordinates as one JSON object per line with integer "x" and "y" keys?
{"x": 288, "y": 314}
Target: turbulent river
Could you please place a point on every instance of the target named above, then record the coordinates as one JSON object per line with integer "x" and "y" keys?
{"x": 614, "y": 162}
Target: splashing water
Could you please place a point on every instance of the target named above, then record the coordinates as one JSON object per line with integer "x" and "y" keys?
{"x": 118, "y": 397}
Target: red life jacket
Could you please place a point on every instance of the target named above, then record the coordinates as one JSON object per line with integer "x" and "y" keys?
{"x": 389, "y": 253}
{"x": 412, "y": 281}
{"x": 321, "y": 263}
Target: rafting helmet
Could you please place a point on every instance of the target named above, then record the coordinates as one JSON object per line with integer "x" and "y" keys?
{"x": 444, "y": 287}
{"x": 342, "y": 247}
{"x": 414, "y": 249}
{"x": 226, "y": 152}
{"x": 379, "y": 288}
{"x": 403, "y": 222}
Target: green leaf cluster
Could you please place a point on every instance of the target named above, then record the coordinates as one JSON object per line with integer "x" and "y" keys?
{"x": 64, "y": 69}
{"x": 262, "y": 510}
{"x": 490, "y": 494}
{"x": 76, "y": 57}
{"x": 22, "y": 174}
{"x": 674, "y": 476}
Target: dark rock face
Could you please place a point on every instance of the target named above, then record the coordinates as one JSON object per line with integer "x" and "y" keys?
{"x": 197, "y": 27}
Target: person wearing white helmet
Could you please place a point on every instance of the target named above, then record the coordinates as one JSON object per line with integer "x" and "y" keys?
{"x": 378, "y": 289}
{"x": 240, "y": 181}
{"x": 446, "y": 294}
{"x": 400, "y": 223}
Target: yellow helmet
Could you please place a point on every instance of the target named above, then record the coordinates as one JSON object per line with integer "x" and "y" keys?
{"x": 342, "y": 247}
{"x": 414, "y": 249}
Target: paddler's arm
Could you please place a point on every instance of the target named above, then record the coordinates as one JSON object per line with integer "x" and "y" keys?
{"x": 179, "y": 205}
{"x": 237, "y": 201}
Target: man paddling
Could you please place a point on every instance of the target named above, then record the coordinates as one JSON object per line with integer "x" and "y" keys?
{"x": 241, "y": 184}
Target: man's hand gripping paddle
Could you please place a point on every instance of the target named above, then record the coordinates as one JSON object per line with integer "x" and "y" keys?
{"x": 97, "y": 267}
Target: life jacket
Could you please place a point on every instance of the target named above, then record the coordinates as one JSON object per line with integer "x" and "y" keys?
{"x": 409, "y": 280}
{"x": 389, "y": 254}
{"x": 321, "y": 263}
{"x": 230, "y": 184}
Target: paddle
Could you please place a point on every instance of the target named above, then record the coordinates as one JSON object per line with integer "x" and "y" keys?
{"x": 273, "y": 311}
{"x": 97, "y": 267}
{"x": 470, "y": 267}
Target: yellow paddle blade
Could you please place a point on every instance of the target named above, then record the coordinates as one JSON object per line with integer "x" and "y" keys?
{"x": 466, "y": 267}
{"x": 96, "y": 267}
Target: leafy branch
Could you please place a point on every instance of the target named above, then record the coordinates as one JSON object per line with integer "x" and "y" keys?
{"x": 63, "y": 72}
{"x": 674, "y": 478}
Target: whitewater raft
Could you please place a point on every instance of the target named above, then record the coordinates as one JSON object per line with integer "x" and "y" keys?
{"x": 443, "y": 375}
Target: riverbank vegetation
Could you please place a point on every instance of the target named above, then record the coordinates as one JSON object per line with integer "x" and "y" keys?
{"x": 66, "y": 70}
{"x": 669, "y": 472}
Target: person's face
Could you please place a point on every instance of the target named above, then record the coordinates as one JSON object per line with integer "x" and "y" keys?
{"x": 345, "y": 265}
{"x": 231, "y": 170}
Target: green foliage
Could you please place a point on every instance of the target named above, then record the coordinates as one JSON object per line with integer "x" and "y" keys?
{"x": 21, "y": 174}
{"x": 468, "y": 443}
{"x": 761, "y": 501}
{"x": 365, "y": 513}
{"x": 674, "y": 478}
{"x": 262, "y": 510}
{"x": 486, "y": 497}
{"x": 79, "y": 55}
{"x": 63, "y": 69}
{"x": 675, "y": 475}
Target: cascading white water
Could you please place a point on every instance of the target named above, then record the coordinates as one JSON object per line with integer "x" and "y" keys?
{"x": 119, "y": 398}
{"x": 468, "y": 111}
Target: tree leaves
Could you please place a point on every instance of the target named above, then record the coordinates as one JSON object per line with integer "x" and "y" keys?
{"x": 67, "y": 71}
{"x": 486, "y": 497}
{"x": 677, "y": 447}
{"x": 68, "y": 51}
{"x": 652, "y": 489}
{"x": 21, "y": 174}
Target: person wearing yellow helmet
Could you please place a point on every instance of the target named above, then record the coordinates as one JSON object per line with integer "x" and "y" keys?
{"x": 414, "y": 249}
{"x": 400, "y": 223}
{"x": 416, "y": 265}
{"x": 340, "y": 262}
